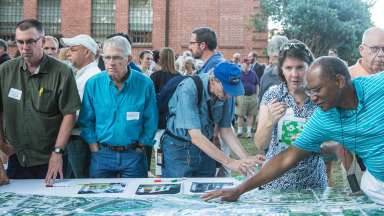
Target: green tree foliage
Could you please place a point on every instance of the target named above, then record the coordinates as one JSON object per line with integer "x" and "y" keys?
{"x": 321, "y": 24}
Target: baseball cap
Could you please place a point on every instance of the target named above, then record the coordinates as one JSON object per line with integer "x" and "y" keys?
{"x": 229, "y": 75}
{"x": 82, "y": 39}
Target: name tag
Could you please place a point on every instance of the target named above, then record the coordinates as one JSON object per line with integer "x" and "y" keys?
{"x": 133, "y": 116}
{"x": 15, "y": 93}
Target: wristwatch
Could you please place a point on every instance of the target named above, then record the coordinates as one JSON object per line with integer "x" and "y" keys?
{"x": 58, "y": 150}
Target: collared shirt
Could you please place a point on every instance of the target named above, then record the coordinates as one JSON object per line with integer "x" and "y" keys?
{"x": 211, "y": 63}
{"x": 119, "y": 118}
{"x": 185, "y": 114}
{"x": 33, "y": 106}
{"x": 82, "y": 76}
{"x": 359, "y": 130}
{"x": 357, "y": 70}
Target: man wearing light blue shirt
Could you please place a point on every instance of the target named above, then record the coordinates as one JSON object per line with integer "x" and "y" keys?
{"x": 187, "y": 149}
{"x": 118, "y": 115}
{"x": 350, "y": 112}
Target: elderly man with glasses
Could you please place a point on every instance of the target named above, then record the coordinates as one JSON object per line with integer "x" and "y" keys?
{"x": 118, "y": 115}
{"x": 372, "y": 53}
{"x": 39, "y": 100}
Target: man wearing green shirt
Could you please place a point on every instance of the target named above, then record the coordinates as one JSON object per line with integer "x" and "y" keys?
{"x": 38, "y": 103}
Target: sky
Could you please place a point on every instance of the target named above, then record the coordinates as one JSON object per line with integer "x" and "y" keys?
{"x": 378, "y": 13}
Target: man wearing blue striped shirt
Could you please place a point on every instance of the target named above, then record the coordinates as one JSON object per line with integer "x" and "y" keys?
{"x": 118, "y": 115}
{"x": 350, "y": 112}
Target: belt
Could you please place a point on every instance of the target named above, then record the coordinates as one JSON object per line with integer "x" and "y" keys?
{"x": 131, "y": 146}
{"x": 169, "y": 133}
{"x": 76, "y": 137}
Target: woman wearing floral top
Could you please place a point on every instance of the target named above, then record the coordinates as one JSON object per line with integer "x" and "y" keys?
{"x": 277, "y": 102}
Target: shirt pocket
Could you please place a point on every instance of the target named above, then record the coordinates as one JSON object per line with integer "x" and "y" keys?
{"x": 132, "y": 120}
{"x": 45, "y": 102}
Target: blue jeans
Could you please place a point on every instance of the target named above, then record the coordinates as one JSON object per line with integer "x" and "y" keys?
{"x": 78, "y": 158}
{"x": 107, "y": 163}
{"x": 184, "y": 159}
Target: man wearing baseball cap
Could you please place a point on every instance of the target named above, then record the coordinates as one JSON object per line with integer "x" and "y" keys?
{"x": 187, "y": 147}
{"x": 82, "y": 55}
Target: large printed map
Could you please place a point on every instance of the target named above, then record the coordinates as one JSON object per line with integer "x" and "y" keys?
{"x": 258, "y": 202}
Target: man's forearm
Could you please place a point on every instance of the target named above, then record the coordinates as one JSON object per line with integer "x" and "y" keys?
{"x": 274, "y": 168}
{"x": 65, "y": 130}
{"x": 229, "y": 137}
{"x": 4, "y": 146}
{"x": 208, "y": 147}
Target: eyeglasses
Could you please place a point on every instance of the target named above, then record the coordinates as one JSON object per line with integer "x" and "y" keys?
{"x": 28, "y": 42}
{"x": 375, "y": 49}
{"x": 288, "y": 46}
{"x": 114, "y": 58}
{"x": 312, "y": 92}
{"x": 294, "y": 45}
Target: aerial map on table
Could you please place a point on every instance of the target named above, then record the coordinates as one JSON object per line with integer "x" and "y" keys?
{"x": 257, "y": 202}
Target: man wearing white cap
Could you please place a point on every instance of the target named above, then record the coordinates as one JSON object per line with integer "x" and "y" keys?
{"x": 82, "y": 55}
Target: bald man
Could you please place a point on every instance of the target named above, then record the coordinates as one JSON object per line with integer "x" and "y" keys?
{"x": 372, "y": 53}
{"x": 372, "y": 61}
{"x": 349, "y": 109}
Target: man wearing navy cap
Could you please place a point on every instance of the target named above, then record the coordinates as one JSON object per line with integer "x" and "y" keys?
{"x": 187, "y": 147}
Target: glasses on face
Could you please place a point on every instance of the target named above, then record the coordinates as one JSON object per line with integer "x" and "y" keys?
{"x": 113, "y": 58}
{"x": 375, "y": 49}
{"x": 28, "y": 42}
{"x": 312, "y": 92}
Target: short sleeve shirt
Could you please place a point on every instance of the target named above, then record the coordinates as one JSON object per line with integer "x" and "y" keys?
{"x": 185, "y": 114}
{"x": 33, "y": 106}
{"x": 360, "y": 130}
{"x": 308, "y": 173}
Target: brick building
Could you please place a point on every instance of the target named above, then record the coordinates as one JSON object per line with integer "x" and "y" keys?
{"x": 152, "y": 24}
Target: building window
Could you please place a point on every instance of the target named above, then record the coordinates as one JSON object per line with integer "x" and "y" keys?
{"x": 11, "y": 12}
{"x": 49, "y": 13}
{"x": 103, "y": 19}
{"x": 140, "y": 21}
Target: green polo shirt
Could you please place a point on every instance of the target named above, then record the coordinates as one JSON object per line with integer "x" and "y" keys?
{"x": 33, "y": 106}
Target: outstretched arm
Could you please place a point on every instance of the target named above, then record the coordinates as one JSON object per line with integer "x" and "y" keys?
{"x": 271, "y": 170}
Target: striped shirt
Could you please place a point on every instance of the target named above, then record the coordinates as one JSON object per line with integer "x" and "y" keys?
{"x": 359, "y": 130}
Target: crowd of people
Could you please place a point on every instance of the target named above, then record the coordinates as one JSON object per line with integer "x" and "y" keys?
{"x": 74, "y": 108}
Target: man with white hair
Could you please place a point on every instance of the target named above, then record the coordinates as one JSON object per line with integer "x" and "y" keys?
{"x": 118, "y": 115}
{"x": 82, "y": 55}
{"x": 51, "y": 46}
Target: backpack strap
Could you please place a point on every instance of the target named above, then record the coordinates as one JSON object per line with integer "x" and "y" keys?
{"x": 199, "y": 86}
